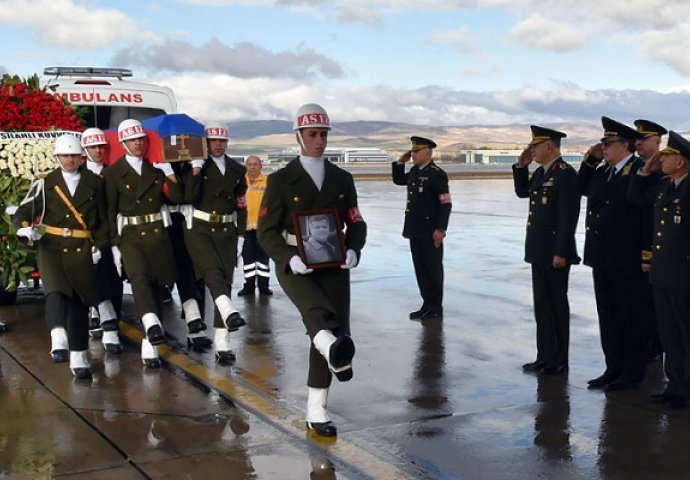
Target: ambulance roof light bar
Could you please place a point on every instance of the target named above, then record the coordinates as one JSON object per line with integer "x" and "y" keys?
{"x": 91, "y": 71}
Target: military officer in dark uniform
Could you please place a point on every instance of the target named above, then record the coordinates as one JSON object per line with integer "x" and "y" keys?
{"x": 426, "y": 221}
{"x": 647, "y": 146}
{"x": 613, "y": 245}
{"x": 322, "y": 296}
{"x": 135, "y": 192}
{"x": 670, "y": 266}
{"x": 549, "y": 243}
{"x": 216, "y": 188}
{"x": 71, "y": 206}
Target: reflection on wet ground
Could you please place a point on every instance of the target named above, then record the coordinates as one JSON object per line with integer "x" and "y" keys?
{"x": 443, "y": 399}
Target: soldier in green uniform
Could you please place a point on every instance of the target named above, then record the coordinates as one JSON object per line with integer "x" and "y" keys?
{"x": 670, "y": 265}
{"x": 322, "y": 296}
{"x": 72, "y": 231}
{"x": 550, "y": 243}
{"x": 216, "y": 189}
{"x": 135, "y": 191}
{"x": 426, "y": 221}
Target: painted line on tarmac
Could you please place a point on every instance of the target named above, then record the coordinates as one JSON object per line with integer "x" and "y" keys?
{"x": 265, "y": 407}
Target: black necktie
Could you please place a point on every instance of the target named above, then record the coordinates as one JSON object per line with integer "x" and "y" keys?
{"x": 538, "y": 174}
{"x": 612, "y": 173}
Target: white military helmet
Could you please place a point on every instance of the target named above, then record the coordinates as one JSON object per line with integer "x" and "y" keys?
{"x": 129, "y": 130}
{"x": 92, "y": 137}
{"x": 311, "y": 115}
{"x": 218, "y": 132}
{"x": 67, "y": 145}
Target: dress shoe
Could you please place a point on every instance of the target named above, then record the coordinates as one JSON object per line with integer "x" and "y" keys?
{"x": 3, "y": 327}
{"x": 341, "y": 352}
{"x": 196, "y": 326}
{"x": 620, "y": 384}
{"x": 81, "y": 372}
{"x": 265, "y": 291}
{"x": 96, "y": 333}
{"x": 662, "y": 397}
{"x": 155, "y": 335}
{"x": 345, "y": 375}
{"x": 534, "y": 366}
{"x": 225, "y": 357}
{"x": 165, "y": 295}
{"x": 601, "y": 381}
{"x": 417, "y": 314}
{"x": 152, "y": 362}
{"x": 60, "y": 356}
{"x": 325, "y": 429}
{"x": 114, "y": 348}
{"x": 553, "y": 369}
{"x": 677, "y": 401}
{"x": 234, "y": 322}
{"x": 246, "y": 291}
{"x": 199, "y": 344}
{"x": 429, "y": 314}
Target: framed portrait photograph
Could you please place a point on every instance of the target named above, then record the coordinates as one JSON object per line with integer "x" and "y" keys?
{"x": 320, "y": 241}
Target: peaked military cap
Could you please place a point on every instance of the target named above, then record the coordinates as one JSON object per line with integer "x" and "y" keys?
{"x": 677, "y": 145}
{"x": 541, "y": 134}
{"x": 647, "y": 128}
{"x": 613, "y": 128}
{"x": 419, "y": 143}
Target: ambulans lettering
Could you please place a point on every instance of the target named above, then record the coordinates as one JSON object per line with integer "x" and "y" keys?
{"x": 98, "y": 97}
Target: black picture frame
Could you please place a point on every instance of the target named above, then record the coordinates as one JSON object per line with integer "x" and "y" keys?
{"x": 320, "y": 240}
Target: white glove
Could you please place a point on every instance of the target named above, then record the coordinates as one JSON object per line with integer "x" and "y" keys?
{"x": 164, "y": 167}
{"x": 95, "y": 255}
{"x": 198, "y": 163}
{"x": 240, "y": 245}
{"x": 298, "y": 267}
{"x": 29, "y": 233}
{"x": 117, "y": 259}
{"x": 351, "y": 260}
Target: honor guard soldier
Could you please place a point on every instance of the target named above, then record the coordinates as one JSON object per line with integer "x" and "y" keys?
{"x": 135, "y": 191}
{"x": 254, "y": 258}
{"x": 322, "y": 296}
{"x": 648, "y": 145}
{"x": 216, "y": 189}
{"x": 670, "y": 265}
{"x": 550, "y": 247}
{"x": 426, "y": 221}
{"x": 613, "y": 242}
{"x": 104, "y": 312}
{"x": 72, "y": 231}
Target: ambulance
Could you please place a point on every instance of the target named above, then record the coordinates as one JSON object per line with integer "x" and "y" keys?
{"x": 106, "y": 96}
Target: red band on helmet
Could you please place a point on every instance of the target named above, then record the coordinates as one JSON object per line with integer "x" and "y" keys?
{"x": 309, "y": 119}
{"x": 353, "y": 216}
{"x": 217, "y": 132}
{"x": 128, "y": 132}
{"x": 91, "y": 139}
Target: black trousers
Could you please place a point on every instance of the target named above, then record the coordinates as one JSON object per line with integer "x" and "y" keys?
{"x": 428, "y": 268}
{"x": 673, "y": 319}
{"x": 255, "y": 261}
{"x": 622, "y": 324}
{"x": 69, "y": 313}
{"x": 551, "y": 312}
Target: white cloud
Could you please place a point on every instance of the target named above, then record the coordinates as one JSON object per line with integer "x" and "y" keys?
{"x": 243, "y": 60}
{"x": 461, "y": 39}
{"x": 548, "y": 34}
{"x": 65, "y": 23}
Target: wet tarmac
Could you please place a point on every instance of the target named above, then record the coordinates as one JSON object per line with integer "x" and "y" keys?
{"x": 444, "y": 399}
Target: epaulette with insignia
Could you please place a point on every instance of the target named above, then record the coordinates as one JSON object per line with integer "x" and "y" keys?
{"x": 627, "y": 168}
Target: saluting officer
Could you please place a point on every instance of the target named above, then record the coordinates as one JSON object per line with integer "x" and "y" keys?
{"x": 72, "y": 231}
{"x": 322, "y": 296}
{"x": 613, "y": 245}
{"x": 426, "y": 221}
{"x": 135, "y": 191}
{"x": 549, "y": 243}
{"x": 107, "y": 302}
{"x": 670, "y": 266}
{"x": 216, "y": 188}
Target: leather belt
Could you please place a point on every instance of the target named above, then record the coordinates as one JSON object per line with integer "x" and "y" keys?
{"x": 142, "y": 219}
{"x": 212, "y": 217}
{"x": 67, "y": 232}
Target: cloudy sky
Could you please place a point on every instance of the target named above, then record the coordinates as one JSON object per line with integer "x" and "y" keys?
{"x": 438, "y": 62}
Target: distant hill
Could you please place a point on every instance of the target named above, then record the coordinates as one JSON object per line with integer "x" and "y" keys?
{"x": 262, "y": 136}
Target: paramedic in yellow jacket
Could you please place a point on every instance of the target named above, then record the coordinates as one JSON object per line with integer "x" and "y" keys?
{"x": 254, "y": 258}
